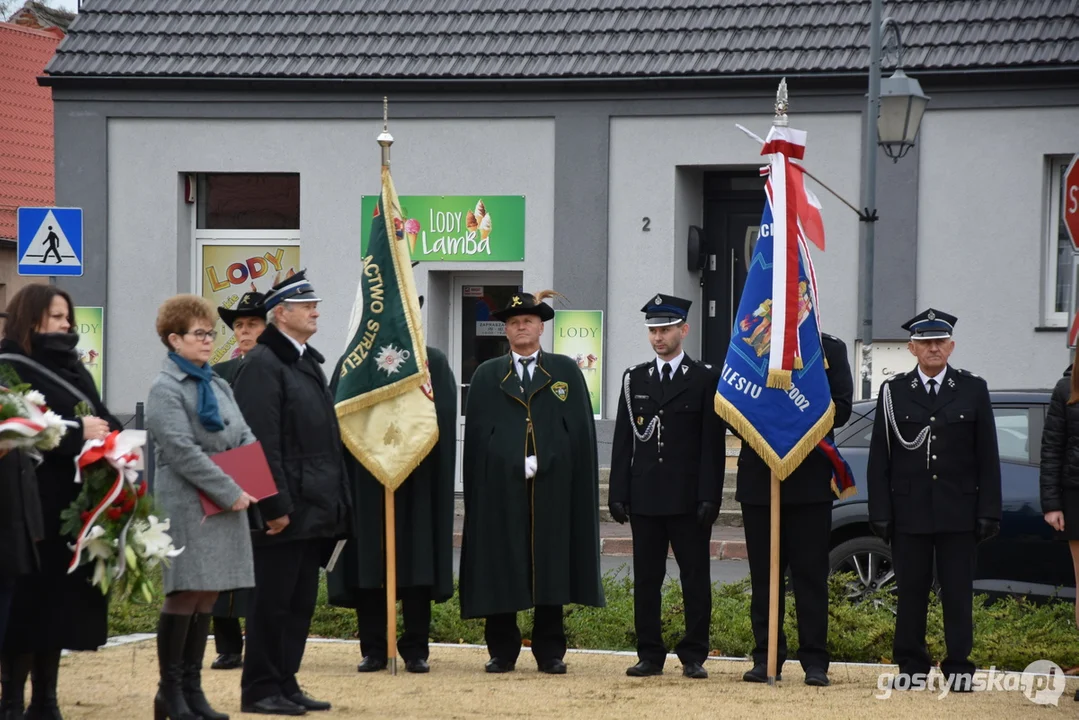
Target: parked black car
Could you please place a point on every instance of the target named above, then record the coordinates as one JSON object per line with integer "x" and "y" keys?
{"x": 1025, "y": 559}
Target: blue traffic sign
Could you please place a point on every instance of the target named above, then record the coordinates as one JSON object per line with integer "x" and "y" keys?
{"x": 50, "y": 241}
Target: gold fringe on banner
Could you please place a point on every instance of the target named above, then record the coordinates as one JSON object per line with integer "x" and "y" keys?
{"x": 779, "y": 379}
{"x": 849, "y": 492}
{"x": 798, "y": 362}
{"x": 784, "y": 466}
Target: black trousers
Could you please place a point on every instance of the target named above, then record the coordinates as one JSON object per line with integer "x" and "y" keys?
{"x": 651, "y": 536}
{"x": 503, "y": 637}
{"x": 7, "y": 591}
{"x": 286, "y": 588}
{"x": 228, "y": 637}
{"x": 804, "y": 531}
{"x": 371, "y": 619}
{"x": 912, "y": 558}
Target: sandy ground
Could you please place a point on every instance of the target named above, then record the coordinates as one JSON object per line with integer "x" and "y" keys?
{"x": 119, "y": 683}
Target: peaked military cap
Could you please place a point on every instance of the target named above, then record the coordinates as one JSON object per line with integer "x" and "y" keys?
{"x": 292, "y": 289}
{"x": 931, "y": 325}
{"x": 250, "y": 305}
{"x": 663, "y": 310}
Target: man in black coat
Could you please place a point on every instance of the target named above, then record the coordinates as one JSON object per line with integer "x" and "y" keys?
{"x": 423, "y": 510}
{"x": 667, "y": 480}
{"x": 805, "y": 528}
{"x": 247, "y": 321}
{"x": 934, "y": 492}
{"x": 284, "y": 398}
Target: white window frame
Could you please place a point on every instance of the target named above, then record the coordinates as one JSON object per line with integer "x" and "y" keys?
{"x": 1051, "y": 317}
{"x": 205, "y": 238}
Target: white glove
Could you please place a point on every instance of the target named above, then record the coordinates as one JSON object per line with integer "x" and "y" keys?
{"x": 530, "y": 467}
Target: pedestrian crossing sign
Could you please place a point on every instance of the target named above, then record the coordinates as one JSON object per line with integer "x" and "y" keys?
{"x": 50, "y": 241}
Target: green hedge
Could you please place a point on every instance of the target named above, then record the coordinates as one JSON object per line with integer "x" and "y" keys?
{"x": 1008, "y": 633}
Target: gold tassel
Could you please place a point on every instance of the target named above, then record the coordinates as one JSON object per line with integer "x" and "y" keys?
{"x": 849, "y": 492}
{"x": 779, "y": 379}
{"x": 826, "y": 363}
{"x": 798, "y": 362}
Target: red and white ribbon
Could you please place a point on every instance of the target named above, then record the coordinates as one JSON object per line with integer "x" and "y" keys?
{"x": 123, "y": 451}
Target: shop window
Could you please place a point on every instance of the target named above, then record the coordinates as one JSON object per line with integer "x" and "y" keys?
{"x": 1059, "y": 272}
{"x": 248, "y": 201}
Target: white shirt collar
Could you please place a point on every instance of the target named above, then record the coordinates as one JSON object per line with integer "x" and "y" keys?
{"x": 939, "y": 377}
{"x": 296, "y": 344}
{"x": 517, "y": 361}
{"x": 660, "y": 362}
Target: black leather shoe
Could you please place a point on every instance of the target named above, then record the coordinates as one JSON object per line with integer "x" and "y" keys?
{"x": 816, "y": 677}
{"x": 307, "y": 702}
{"x": 961, "y": 683}
{"x": 494, "y": 665}
{"x": 371, "y": 664}
{"x": 554, "y": 666}
{"x": 227, "y": 661}
{"x": 273, "y": 705}
{"x": 759, "y": 674}
{"x": 645, "y": 668}
{"x": 694, "y": 670}
{"x": 419, "y": 665}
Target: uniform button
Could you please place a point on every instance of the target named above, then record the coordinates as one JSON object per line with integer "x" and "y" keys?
{"x": 932, "y": 419}
{"x": 661, "y": 444}
{"x": 934, "y": 477}
{"x": 934, "y": 437}
{"x": 661, "y": 459}
{"x": 934, "y": 457}
{"x": 661, "y": 412}
{"x": 960, "y": 417}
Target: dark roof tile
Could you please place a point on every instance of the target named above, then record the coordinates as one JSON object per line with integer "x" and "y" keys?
{"x": 445, "y": 39}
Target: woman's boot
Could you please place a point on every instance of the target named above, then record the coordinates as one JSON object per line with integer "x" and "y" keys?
{"x": 14, "y": 669}
{"x": 194, "y": 650}
{"x": 171, "y": 638}
{"x": 43, "y": 675}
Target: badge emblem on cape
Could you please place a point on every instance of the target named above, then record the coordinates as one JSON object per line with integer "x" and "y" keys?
{"x": 560, "y": 390}
{"x": 640, "y": 420}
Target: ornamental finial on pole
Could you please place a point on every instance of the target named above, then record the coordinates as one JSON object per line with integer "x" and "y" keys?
{"x": 384, "y": 138}
{"x": 780, "y": 119}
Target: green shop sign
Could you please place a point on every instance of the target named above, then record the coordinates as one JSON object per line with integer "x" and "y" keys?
{"x": 457, "y": 228}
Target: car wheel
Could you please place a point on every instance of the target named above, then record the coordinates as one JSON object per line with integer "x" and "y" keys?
{"x": 870, "y": 560}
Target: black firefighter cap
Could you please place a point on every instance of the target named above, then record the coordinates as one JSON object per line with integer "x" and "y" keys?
{"x": 663, "y": 310}
{"x": 931, "y": 324}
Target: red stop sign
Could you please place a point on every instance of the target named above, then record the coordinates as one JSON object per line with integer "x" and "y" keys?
{"x": 1071, "y": 201}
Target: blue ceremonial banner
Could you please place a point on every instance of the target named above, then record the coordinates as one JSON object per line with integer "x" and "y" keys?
{"x": 782, "y": 425}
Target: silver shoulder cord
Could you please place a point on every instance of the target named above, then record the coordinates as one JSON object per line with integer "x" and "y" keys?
{"x": 653, "y": 426}
{"x": 923, "y": 436}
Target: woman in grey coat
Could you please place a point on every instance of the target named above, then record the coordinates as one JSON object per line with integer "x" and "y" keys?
{"x": 191, "y": 415}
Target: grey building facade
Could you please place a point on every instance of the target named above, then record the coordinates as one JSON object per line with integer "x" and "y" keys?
{"x": 615, "y": 120}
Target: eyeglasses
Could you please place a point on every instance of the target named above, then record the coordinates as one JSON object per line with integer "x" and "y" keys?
{"x": 203, "y": 335}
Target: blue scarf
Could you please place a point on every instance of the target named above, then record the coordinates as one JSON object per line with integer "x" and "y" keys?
{"x": 209, "y": 413}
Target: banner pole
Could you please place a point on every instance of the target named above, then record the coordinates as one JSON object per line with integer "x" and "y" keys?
{"x": 773, "y": 586}
{"x": 391, "y": 584}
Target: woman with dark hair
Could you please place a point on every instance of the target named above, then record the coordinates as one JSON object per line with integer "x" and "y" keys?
{"x": 51, "y": 610}
{"x": 1060, "y": 466}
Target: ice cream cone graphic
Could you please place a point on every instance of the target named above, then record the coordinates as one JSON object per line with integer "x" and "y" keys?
{"x": 412, "y": 229}
{"x": 485, "y": 226}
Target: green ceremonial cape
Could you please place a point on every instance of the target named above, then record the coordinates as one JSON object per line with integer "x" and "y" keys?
{"x": 529, "y": 542}
{"x": 423, "y": 508}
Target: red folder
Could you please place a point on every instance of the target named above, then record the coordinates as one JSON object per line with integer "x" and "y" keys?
{"x": 247, "y": 466}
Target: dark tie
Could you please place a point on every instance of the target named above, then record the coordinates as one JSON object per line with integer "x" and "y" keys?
{"x": 666, "y": 374}
{"x": 526, "y": 376}
{"x": 932, "y": 383}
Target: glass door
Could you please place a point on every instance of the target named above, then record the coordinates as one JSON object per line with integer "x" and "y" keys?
{"x": 477, "y": 336}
